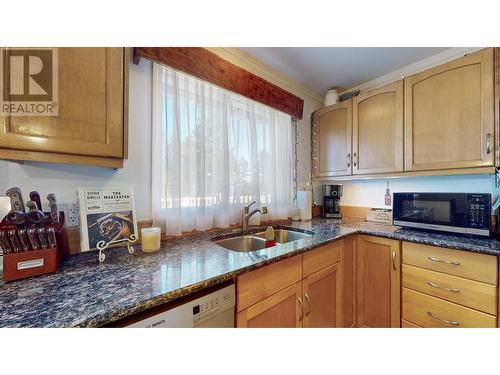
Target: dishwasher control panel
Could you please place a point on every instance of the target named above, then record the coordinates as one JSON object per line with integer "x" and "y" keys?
{"x": 213, "y": 310}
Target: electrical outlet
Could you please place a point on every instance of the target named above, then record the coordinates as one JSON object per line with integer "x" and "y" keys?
{"x": 71, "y": 214}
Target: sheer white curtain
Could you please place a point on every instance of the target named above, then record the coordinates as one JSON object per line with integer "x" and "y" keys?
{"x": 214, "y": 152}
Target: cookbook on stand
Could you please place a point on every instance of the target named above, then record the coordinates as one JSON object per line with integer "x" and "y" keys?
{"x": 105, "y": 215}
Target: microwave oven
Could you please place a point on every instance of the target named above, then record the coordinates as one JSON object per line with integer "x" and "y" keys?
{"x": 466, "y": 213}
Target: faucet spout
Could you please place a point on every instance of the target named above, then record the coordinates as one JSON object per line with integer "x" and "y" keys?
{"x": 247, "y": 216}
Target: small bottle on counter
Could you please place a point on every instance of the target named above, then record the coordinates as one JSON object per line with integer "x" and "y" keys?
{"x": 150, "y": 239}
{"x": 270, "y": 239}
{"x": 387, "y": 197}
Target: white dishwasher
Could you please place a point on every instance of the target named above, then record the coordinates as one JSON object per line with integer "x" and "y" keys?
{"x": 212, "y": 310}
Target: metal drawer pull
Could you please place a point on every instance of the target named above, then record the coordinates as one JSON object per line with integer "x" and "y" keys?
{"x": 301, "y": 309}
{"x": 442, "y": 288}
{"x": 348, "y": 160}
{"x": 488, "y": 141}
{"x": 452, "y": 262}
{"x": 308, "y": 305}
{"x": 394, "y": 260}
{"x": 450, "y": 322}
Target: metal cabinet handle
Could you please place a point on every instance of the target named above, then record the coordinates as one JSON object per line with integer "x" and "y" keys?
{"x": 349, "y": 159}
{"x": 454, "y": 290}
{"x": 488, "y": 143}
{"x": 308, "y": 311}
{"x": 301, "y": 309}
{"x": 452, "y": 262}
{"x": 355, "y": 159}
{"x": 450, "y": 322}
{"x": 394, "y": 260}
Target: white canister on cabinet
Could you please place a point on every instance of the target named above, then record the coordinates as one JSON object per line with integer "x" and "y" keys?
{"x": 331, "y": 98}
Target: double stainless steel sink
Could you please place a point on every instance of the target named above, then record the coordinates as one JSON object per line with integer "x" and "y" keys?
{"x": 256, "y": 241}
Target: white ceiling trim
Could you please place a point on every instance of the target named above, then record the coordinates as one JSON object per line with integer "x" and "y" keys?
{"x": 417, "y": 67}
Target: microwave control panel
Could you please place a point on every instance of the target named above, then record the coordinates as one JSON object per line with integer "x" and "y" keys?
{"x": 479, "y": 206}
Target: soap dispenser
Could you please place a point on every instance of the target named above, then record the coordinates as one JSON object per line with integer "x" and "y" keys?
{"x": 388, "y": 196}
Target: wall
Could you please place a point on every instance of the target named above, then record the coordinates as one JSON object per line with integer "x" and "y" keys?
{"x": 63, "y": 180}
{"x": 370, "y": 193}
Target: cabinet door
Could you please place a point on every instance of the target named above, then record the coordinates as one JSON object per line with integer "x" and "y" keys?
{"x": 349, "y": 281}
{"x": 281, "y": 310}
{"x": 331, "y": 140}
{"x": 379, "y": 280}
{"x": 377, "y": 130}
{"x": 323, "y": 298}
{"x": 449, "y": 115}
{"x": 90, "y": 109}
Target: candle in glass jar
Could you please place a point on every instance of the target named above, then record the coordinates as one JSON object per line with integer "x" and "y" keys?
{"x": 150, "y": 239}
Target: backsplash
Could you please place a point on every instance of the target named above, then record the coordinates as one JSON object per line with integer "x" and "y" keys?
{"x": 370, "y": 193}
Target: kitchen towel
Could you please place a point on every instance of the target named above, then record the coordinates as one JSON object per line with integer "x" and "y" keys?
{"x": 304, "y": 203}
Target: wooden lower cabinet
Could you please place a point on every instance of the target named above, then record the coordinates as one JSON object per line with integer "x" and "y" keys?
{"x": 378, "y": 284}
{"x": 281, "y": 310}
{"x": 367, "y": 281}
{"x": 323, "y": 298}
{"x": 407, "y": 324}
{"x": 448, "y": 288}
{"x": 348, "y": 264}
{"x": 427, "y": 311}
{"x": 302, "y": 291}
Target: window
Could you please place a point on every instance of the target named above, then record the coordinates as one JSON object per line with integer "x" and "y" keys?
{"x": 213, "y": 152}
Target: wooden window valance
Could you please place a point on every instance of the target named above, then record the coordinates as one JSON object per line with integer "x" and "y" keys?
{"x": 209, "y": 67}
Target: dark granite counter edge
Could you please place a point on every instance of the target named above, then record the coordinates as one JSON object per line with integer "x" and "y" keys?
{"x": 193, "y": 288}
{"x": 185, "y": 291}
{"x": 432, "y": 241}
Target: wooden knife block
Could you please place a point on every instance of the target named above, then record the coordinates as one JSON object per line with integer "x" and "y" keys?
{"x": 25, "y": 264}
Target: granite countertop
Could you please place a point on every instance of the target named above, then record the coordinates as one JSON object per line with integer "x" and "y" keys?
{"x": 85, "y": 293}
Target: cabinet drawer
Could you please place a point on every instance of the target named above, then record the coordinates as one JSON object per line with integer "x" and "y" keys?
{"x": 479, "y": 296}
{"x": 257, "y": 285}
{"x": 407, "y": 324}
{"x": 473, "y": 266}
{"x": 427, "y": 311}
{"x": 321, "y": 257}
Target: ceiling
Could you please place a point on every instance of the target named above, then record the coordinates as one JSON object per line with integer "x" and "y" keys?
{"x": 324, "y": 68}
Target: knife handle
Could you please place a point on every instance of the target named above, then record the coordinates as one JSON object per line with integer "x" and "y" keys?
{"x": 35, "y": 245}
{"x": 42, "y": 236}
{"x": 23, "y": 237}
{"x": 16, "y": 199}
{"x": 5, "y": 243}
{"x": 16, "y": 245}
{"x": 16, "y": 217}
{"x": 54, "y": 214}
{"x": 35, "y": 216}
{"x": 35, "y": 197}
{"x": 51, "y": 237}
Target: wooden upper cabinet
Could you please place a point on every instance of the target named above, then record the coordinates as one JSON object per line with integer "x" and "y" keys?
{"x": 91, "y": 120}
{"x": 332, "y": 128}
{"x": 379, "y": 280}
{"x": 449, "y": 115}
{"x": 323, "y": 298}
{"x": 377, "y": 130}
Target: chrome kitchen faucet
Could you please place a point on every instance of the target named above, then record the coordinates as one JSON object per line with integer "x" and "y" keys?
{"x": 247, "y": 216}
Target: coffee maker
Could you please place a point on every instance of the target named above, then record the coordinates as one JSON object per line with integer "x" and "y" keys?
{"x": 331, "y": 201}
